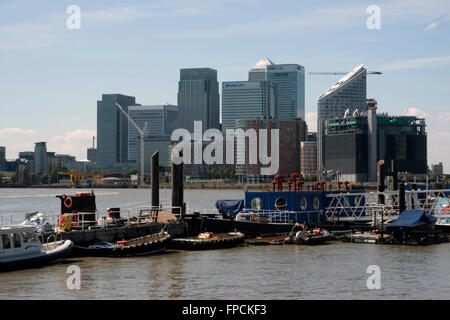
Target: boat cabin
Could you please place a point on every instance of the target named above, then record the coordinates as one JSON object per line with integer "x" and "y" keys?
{"x": 18, "y": 240}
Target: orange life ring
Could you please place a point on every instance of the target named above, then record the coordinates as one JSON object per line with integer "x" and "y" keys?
{"x": 68, "y": 205}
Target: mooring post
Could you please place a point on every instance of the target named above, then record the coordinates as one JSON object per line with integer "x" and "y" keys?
{"x": 155, "y": 184}
{"x": 394, "y": 172}
{"x": 177, "y": 186}
{"x": 401, "y": 198}
{"x": 381, "y": 174}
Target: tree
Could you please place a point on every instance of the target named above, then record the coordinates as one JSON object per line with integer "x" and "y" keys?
{"x": 14, "y": 178}
{"x": 132, "y": 171}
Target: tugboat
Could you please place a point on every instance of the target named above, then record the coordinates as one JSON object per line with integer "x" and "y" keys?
{"x": 20, "y": 248}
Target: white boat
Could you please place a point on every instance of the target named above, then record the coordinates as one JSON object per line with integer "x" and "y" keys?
{"x": 20, "y": 248}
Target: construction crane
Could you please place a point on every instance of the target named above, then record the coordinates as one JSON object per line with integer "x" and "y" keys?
{"x": 340, "y": 73}
{"x": 142, "y": 135}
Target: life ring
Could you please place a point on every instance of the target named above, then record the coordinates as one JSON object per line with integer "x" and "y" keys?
{"x": 68, "y": 205}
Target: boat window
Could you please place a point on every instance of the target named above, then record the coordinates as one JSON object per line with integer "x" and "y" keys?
{"x": 257, "y": 204}
{"x": 6, "y": 241}
{"x": 303, "y": 203}
{"x": 281, "y": 204}
{"x": 316, "y": 203}
{"x": 357, "y": 200}
{"x": 29, "y": 237}
{"x": 16, "y": 239}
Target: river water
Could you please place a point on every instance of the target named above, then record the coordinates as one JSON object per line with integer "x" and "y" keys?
{"x": 333, "y": 271}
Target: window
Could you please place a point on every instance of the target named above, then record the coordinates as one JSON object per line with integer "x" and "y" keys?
{"x": 281, "y": 204}
{"x": 6, "y": 241}
{"x": 29, "y": 237}
{"x": 257, "y": 204}
{"x": 16, "y": 239}
{"x": 316, "y": 203}
{"x": 303, "y": 203}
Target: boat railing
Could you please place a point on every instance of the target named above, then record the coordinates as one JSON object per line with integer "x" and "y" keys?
{"x": 367, "y": 206}
{"x": 282, "y": 216}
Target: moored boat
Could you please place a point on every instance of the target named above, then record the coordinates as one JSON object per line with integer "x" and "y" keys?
{"x": 142, "y": 246}
{"x": 308, "y": 237}
{"x": 208, "y": 240}
{"x": 20, "y": 248}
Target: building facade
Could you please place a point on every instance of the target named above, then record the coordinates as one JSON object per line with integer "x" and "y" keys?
{"x": 290, "y": 82}
{"x": 112, "y": 131}
{"x": 348, "y": 143}
{"x": 198, "y": 98}
{"x": 309, "y": 157}
{"x": 291, "y": 134}
{"x": 40, "y": 158}
{"x": 247, "y": 100}
{"x": 155, "y": 120}
{"x": 349, "y": 93}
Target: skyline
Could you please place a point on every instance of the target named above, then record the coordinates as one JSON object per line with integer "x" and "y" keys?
{"x": 52, "y": 76}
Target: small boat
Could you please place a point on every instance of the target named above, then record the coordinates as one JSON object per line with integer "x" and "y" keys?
{"x": 143, "y": 246}
{"x": 308, "y": 237}
{"x": 209, "y": 240}
{"x": 20, "y": 248}
{"x": 267, "y": 240}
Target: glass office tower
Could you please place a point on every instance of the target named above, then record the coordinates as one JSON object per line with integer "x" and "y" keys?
{"x": 198, "y": 98}
{"x": 348, "y": 93}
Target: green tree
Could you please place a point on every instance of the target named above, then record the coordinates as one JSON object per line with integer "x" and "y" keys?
{"x": 14, "y": 178}
{"x": 132, "y": 171}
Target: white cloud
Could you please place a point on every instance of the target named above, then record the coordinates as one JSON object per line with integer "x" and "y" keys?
{"x": 416, "y": 113}
{"x": 72, "y": 142}
{"x": 417, "y": 63}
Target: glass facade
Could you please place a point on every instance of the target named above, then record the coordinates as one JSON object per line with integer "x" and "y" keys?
{"x": 112, "y": 131}
{"x": 198, "y": 98}
{"x": 246, "y": 100}
{"x": 348, "y": 93}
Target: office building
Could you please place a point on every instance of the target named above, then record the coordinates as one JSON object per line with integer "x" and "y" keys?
{"x": 309, "y": 157}
{"x": 247, "y": 100}
{"x": 112, "y": 132}
{"x": 291, "y": 134}
{"x": 290, "y": 82}
{"x": 155, "y": 120}
{"x": 437, "y": 169}
{"x": 198, "y": 98}
{"x": 349, "y": 140}
{"x": 92, "y": 155}
{"x": 40, "y": 158}
{"x": 349, "y": 93}
{"x": 2, "y": 158}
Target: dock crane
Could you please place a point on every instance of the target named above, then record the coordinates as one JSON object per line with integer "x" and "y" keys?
{"x": 340, "y": 73}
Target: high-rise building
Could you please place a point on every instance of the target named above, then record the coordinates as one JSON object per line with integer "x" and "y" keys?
{"x": 349, "y": 93}
{"x": 309, "y": 157}
{"x": 112, "y": 131}
{"x": 2, "y": 158}
{"x": 290, "y": 82}
{"x": 92, "y": 155}
{"x": 198, "y": 98}
{"x": 40, "y": 158}
{"x": 247, "y": 100}
{"x": 155, "y": 120}
{"x": 437, "y": 169}
{"x": 291, "y": 134}
{"x": 348, "y": 143}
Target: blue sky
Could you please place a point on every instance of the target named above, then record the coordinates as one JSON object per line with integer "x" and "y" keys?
{"x": 51, "y": 77}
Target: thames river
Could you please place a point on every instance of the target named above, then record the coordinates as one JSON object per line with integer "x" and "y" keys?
{"x": 289, "y": 272}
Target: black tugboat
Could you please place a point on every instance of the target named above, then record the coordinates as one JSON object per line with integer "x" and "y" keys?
{"x": 143, "y": 246}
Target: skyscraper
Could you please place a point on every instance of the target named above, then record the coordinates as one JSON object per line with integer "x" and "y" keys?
{"x": 348, "y": 93}
{"x": 112, "y": 131}
{"x": 290, "y": 81}
{"x": 156, "y": 120}
{"x": 247, "y": 100}
{"x": 40, "y": 157}
{"x": 198, "y": 98}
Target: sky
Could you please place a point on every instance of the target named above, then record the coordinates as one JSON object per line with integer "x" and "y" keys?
{"x": 51, "y": 76}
